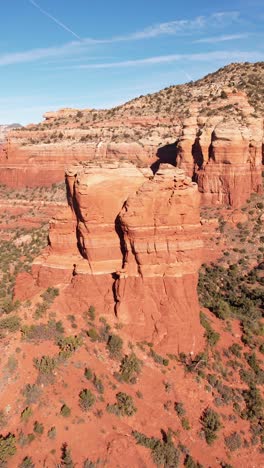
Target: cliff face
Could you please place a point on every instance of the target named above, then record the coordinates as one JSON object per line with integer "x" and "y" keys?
{"x": 223, "y": 155}
{"x": 156, "y": 289}
{"x": 130, "y": 243}
{"x": 23, "y": 164}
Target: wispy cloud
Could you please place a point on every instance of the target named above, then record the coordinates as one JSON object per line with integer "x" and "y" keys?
{"x": 41, "y": 53}
{"x": 200, "y": 57}
{"x": 55, "y": 20}
{"x": 177, "y": 27}
{"x": 227, "y": 37}
{"x": 183, "y": 26}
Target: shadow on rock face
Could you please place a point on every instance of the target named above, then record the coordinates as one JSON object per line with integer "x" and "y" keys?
{"x": 166, "y": 154}
{"x": 197, "y": 153}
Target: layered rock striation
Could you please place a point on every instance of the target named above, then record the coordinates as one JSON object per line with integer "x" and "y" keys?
{"x": 223, "y": 154}
{"x": 130, "y": 243}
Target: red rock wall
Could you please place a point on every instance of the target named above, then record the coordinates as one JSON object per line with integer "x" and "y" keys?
{"x": 156, "y": 289}
{"x": 224, "y": 157}
{"x": 130, "y": 244}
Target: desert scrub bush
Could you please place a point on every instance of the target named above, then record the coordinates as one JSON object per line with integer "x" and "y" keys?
{"x": 98, "y": 384}
{"x": 66, "y": 458}
{"x": 31, "y": 393}
{"x": 12, "y": 363}
{"x": 65, "y": 411}
{"x": 45, "y": 364}
{"x": 93, "y": 335}
{"x": 124, "y": 406}
{"x": 91, "y": 313}
{"x": 38, "y": 428}
{"x": 68, "y": 345}
{"x": 104, "y": 330}
{"x": 185, "y": 424}
{"x": 233, "y": 441}
{"x": 163, "y": 451}
{"x": 26, "y": 414}
{"x": 254, "y": 404}
{"x": 25, "y": 439}
{"x": 233, "y": 286}
{"x": 41, "y": 332}
{"x": 7, "y": 447}
{"x": 236, "y": 349}
{"x": 89, "y": 464}
{"x": 27, "y": 462}
{"x": 86, "y": 399}
{"x": 3, "y": 419}
{"x": 88, "y": 373}
{"x": 11, "y": 323}
{"x": 52, "y": 433}
{"x": 179, "y": 408}
{"x": 50, "y": 294}
{"x": 211, "y": 424}
{"x": 130, "y": 368}
{"x": 195, "y": 364}
{"x": 211, "y": 336}
{"x": 115, "y": 346}
{"x": 190, "y": 463}
{"x": 158, "y": 359}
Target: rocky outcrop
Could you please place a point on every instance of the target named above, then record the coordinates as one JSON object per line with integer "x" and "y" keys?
{"x": 130, "y": 243}
{"x": 156, "y": 289}
{"x": 223, "y": 155}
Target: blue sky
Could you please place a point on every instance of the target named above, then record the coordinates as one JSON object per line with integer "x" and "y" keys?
{"x": 81, "y": 53}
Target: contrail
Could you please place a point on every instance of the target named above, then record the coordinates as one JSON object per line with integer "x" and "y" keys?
{"x": 55, "y": 20}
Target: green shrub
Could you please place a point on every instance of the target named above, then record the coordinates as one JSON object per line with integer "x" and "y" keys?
{"x": 38, "y": 428}
{"x": 11, "y": 323}
{"x": 91, "y": 312}
{"x": 233, "y": 441}
{"x": 185, "y": 424}
{"x": 26, "y": 414}
{"x": 40, "y": 332}
{"x": 66, "y": 457}
{"x": 115, "y": 346}
{"x": 88, "y": 374}
{"x": 190, "y": 463}
{"x": 179, "y": 408}
{"x": 93, "y": 335}
{"x": 124, "y": 406}
{"x": 65, "y": 411}
{"x": 130, "y": 368}
{"x": 50, "y": 294}
{"x": 159, "y": 359}
{"x": 27, "y": 462}
{"x": 31, "y": 393}
{"x": 211, "y": 424}
{"x": 52, "y": 433}
{"x": 98, "y": 384}
{"x": 163, "y": 451}
{"x": 254, "y": 404}
{"x": 236, "y": 349}
{"x": 7, "y": 447}
{"x": 45, "y": 364}
{"x": 69, "y": 344}
{"x": 212, "y": 337}
{"x": 86, "y": 399}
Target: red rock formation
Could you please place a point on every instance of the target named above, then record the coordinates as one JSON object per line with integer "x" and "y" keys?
{"x": 156, "y": 290}
{"x": 130, "y": 243}
{"x": 223, "y": 155}
{"x": 44, "y": 164}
